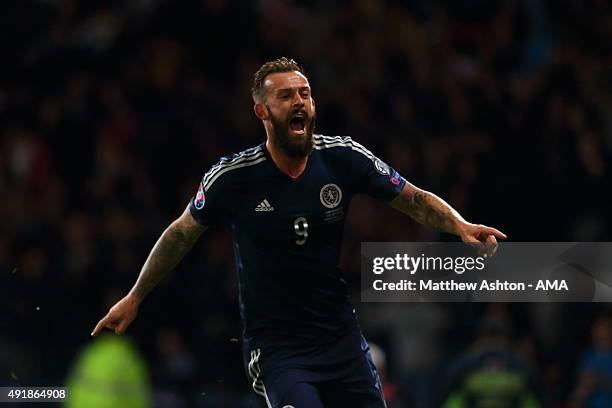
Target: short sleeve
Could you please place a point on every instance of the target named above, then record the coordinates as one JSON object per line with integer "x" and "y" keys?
{"x": 372, "y": 176}
{"x": 207, "y": 205}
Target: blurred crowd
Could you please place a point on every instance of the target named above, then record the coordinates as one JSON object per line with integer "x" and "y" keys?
{"x": 111, "y": 112}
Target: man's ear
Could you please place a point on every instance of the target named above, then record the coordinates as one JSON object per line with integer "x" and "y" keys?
{"x": 260, "y": 111}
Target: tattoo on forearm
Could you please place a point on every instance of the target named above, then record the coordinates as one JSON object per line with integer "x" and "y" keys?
{"x": 428, "y": 209}
{"x": 431, "y": 213}
{"x": 165, "y": 255}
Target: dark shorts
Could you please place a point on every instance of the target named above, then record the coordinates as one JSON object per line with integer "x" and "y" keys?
{"x": 338, "y": 374}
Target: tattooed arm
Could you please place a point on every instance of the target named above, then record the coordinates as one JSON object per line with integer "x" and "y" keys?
{"x": 428, "y": 209}
{"x": 170, "y": 248}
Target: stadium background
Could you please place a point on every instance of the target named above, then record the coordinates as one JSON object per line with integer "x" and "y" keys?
{"x": 110, "y": 112}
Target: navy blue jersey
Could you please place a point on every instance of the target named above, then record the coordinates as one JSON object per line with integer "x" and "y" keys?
{"x": 287, "y": 235}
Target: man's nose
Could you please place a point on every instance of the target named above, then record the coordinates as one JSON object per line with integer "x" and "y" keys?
{"x": 298, "y": 100}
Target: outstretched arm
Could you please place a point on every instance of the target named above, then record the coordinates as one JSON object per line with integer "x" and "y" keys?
{"x": 170, "y": 248}
{"x": 430, "y": 210}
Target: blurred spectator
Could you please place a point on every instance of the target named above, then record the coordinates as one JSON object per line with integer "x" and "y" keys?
{"x": 489, "y": 374}
{"x": 594, "y": 383}
{"x": 109, "y": 372}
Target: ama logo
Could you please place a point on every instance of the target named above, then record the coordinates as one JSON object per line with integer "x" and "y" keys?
{"x": 200, "y": 199}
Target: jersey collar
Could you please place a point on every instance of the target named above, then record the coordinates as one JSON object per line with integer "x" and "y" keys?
{"x": 279, "y": 171}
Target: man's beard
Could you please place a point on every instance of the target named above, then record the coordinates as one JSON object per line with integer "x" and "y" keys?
{"x": 292, "y": 145}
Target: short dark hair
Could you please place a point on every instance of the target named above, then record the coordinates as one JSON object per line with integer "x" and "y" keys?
{"x": 282, "y": 64}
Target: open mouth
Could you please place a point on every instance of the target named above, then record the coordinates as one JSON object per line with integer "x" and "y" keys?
{"x": 298, "y": 123}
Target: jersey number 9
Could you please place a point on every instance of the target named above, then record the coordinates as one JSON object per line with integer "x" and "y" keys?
{"x": 301, "y": 229}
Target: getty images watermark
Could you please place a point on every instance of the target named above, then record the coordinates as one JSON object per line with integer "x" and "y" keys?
{"x": 456, "y": 272}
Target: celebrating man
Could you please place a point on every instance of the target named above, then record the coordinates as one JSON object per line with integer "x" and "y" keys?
{"x": 286, "y": 201}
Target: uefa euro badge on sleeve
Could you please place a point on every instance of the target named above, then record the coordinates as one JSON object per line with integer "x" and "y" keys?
{"x": 200, "y": 198}
{"x": 395, "y": 178}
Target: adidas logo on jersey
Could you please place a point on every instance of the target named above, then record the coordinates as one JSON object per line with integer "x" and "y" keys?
{"x": 264, "y": 206}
